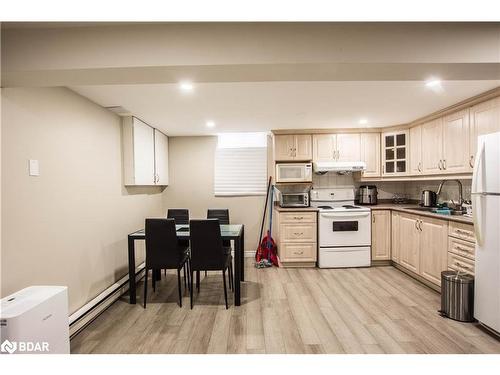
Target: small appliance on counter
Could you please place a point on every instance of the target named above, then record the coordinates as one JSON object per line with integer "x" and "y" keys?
{"x": 293, "y": 196}
{"x": 428, "y": 198}
{"x": 368, "y": 194}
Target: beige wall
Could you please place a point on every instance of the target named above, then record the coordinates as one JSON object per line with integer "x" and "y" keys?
{"x": 69, "y": 225}
{"x": 191, "y": 172}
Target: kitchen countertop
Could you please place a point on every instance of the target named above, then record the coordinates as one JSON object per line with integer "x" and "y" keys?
{"x": 302, "y": 209}
{"x": 408, "y": 208}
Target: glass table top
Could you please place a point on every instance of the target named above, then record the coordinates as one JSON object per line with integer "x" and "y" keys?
{"x": 227, "y": 230}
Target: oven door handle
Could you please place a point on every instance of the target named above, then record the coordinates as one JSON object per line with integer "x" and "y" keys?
{"x": 338, "y": 214}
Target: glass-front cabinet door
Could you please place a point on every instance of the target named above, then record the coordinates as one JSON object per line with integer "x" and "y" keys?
{"x": 395, "y": 153}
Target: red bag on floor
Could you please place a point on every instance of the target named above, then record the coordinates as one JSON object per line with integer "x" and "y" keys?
{"x": 268, "y": 250}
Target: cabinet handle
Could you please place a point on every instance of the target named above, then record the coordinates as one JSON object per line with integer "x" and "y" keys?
{"x": 419, "y": 167}
{"x": 471, "y": 161}
{"x": 460, "y": 248}
{"x": 444, "y": 163}
{"x": 299, "y": 234}
{"x": 439, "y": 165}
{"x": 373, "y": 218}
{"x": 298, "y": 252}
{"x": 298, "y": 217}
{"x": 460, "y": 231}
{"x": 416, "y": 224}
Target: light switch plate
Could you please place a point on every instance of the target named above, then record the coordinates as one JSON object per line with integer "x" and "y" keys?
{"x": 34, "y": 168}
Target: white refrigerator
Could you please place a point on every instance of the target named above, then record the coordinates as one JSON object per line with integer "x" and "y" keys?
{"x": 486, "y": 216}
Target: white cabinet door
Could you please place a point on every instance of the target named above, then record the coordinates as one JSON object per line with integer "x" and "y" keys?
{"x": 303, "y": 147}
{"x": 370, "y": 154}
{"x": 284, "y": 147}
{"x": 348, "y": 147}
{"x": 433, "y": 248}
{"x": 395, "y": 153}
{"x": 144, "y": 158}
{"x": 161, "y": 158}
{"x": 416, "y": 150}
{"x": 324, "y": 147}
{"x": 484, "y": 119}
{"x": 456, "y": 142}
{"x": 432, "y": 146}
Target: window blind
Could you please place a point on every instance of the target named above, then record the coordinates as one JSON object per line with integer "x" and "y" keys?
{"x": 240, "y": 170}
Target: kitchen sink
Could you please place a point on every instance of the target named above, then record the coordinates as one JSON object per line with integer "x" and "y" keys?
{"x": 435, "y": 210}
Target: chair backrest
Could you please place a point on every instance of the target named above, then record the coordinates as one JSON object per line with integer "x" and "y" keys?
{"x": 162, "y": 249}
{"x": 206, "y": 244}
{"x": 181, "y": 215}
{"x": 219, "y": 213}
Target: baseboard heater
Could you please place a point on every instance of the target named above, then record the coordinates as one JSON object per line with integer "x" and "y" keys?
{"x": 91, "y": 310}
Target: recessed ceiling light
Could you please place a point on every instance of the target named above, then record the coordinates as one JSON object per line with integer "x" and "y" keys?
{"x": 186, "y": 86}
{"x": 363, "y": 121}
{"x": 432, "y": 83}
{"x": 210, "y": 124}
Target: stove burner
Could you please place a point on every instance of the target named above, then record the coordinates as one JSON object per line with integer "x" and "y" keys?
{"x": 326, "y": 207}
{"x": 351, "y": 207}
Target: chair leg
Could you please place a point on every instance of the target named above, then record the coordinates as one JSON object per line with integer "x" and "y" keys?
{"x": 145, "y": 286}
{"x": 153, "y": 279}
{"x": 179, "y": 286}
{"x": 231, "y": 277}
{"x": 205, "y": 273}
{"x": 185, "y": 278}
{"x": 191, "y": 288}
{"x": 198, "y": 281}
{"x": 188, "y": 265}
{"x": 225, "y": 289}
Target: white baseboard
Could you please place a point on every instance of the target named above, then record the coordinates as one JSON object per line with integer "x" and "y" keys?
{"x": 87, "y": 313}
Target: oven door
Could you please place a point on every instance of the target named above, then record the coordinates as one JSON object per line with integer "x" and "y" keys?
{"x": 344, "y": 228}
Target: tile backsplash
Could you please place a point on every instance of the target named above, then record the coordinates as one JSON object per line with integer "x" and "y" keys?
{"x": 386, "y": 190}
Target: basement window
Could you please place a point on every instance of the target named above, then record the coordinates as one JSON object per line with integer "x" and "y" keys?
{"x": 240, "y": 164}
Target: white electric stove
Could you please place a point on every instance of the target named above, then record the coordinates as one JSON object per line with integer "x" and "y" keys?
{"x": 344, "y": 229}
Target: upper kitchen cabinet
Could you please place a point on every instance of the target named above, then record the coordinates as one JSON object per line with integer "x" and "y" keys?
{"x": 370, "y": 154}
{"x": 337, "y": 147}
{"x": 456, "y": 142}
{"x": 484, "y": 119}
{"x": 395, "y": 153}
{"x": 293, "y": 147}
{"x": 348, "y": 147}
{"x": 432, "y": 147}
{"x": 416, "y": 150}
{"x": 145, "y": 154}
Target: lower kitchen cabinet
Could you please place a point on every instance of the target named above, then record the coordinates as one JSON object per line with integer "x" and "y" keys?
{"x": 409, "y": 245}
{"x": 296, "y": 237}
{"x": 381, "y": 235}
{"x": 420, "y": 244}
{"x": 395, "y": 241}
{"x": 433, "y": 248}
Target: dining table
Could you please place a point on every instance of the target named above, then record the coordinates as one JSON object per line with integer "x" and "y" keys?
{"x": 233, "y": 232}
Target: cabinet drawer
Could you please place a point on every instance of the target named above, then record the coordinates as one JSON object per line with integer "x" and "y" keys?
{"x": 462, "y": 231}
{"x": 298, "y": 232}
{"x": 298, "y": 217}
{"x": 463, "y": 248}
{"x": 459, "y": 263}
{"x": 300, "y": 252}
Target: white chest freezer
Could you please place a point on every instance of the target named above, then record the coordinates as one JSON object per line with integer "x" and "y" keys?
{"x": 35, "y": 320}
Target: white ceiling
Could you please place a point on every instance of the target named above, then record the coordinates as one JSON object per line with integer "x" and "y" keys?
{"x": 262, "y": 106}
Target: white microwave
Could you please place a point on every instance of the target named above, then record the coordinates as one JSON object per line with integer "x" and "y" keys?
{"x": 294, "y": 172}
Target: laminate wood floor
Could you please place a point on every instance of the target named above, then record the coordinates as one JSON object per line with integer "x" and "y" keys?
{"x": 362, "y": 310}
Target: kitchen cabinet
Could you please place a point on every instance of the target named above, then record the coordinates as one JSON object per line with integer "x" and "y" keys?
{"x": 296, "y": 237}
{"x": 395, "y": 238}
{"x": 432, "y": 146}
{"x": 433, "y": 248}
{"x": 290, "y": 147}
{"x": 395, "y": 153}
{"x": 416, "y": 150}
{"x": 461, "y": 247}
{"x": 381, "y": 235}
{"x": 484, "y": 119}
{"x": 370, "y": 154}
{"x": 409, "y": 242}
{"x": 145, "y": 154}
{"x": 337, "y": 147}
{"x": 456, "y": 142}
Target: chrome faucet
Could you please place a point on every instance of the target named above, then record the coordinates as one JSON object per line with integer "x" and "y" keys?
{"x": 460, "y": 196}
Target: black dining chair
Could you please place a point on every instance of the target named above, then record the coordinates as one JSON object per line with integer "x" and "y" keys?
{"x": 223, "y": 215}
{"x": 181, "y": 215}
{"x": 163, "y": 251}
{"x": 208, "y": 252}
